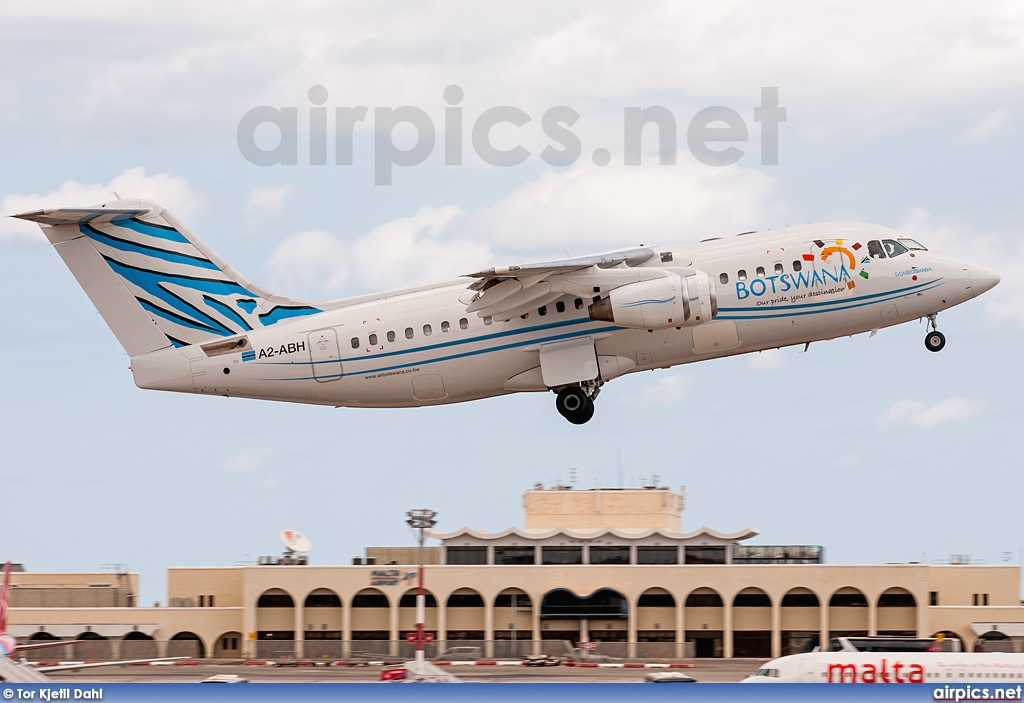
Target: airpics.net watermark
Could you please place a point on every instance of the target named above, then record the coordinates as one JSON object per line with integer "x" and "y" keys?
{"x": 712, "y": 125}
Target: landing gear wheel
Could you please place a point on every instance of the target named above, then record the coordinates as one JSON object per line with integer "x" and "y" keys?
{"x": 574, "y": 405}
{"x": 934, "y": 341}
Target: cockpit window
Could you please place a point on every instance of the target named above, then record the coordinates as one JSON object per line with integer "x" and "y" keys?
{"x": 912, "y": 244}
{"x": 875, "y": 250}
{"x": 773, "y": 673}
{"x": 893, "y": 248}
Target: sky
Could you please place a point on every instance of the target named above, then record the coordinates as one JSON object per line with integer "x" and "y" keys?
{"x": 909, "y": 115}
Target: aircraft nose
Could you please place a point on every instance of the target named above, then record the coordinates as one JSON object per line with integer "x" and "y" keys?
{"x": 982, "y": 279}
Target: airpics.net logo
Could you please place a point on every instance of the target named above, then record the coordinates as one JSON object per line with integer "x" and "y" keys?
{"x": 707, "y": 132}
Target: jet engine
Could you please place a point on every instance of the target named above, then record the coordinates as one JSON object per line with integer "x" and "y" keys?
{"x": 660, "y": 303}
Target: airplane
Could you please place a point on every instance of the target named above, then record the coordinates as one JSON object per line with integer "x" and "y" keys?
{"x": 191, "y": 323}
{"x": 13, "y": 671}
{"x": 934, "y": 668}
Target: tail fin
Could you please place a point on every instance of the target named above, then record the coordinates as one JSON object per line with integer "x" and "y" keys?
{"x": 153, "y": 281}
{"x": 3, "y": 599}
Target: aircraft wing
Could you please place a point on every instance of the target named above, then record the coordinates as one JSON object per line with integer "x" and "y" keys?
{"x": 13, "y": 672}
{"x": 93, "y": 665}
{"x": 505, "y": 292}
{"x": 631, "y": 257}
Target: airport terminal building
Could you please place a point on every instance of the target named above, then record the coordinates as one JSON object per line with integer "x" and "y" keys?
{"x": 609, "y": 570}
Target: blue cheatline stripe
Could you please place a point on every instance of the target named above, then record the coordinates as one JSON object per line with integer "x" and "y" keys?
{"x": 819, "y": 312}
{"x": 431, "y": 347}
{"x": 171, "y": 235}
{"x": 450, "y": 357}
{"x": 836, "y": 302}
{"x": 153, "y": 252}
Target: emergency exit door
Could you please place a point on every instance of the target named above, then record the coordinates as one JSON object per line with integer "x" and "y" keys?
{"x": 324, "y": 355}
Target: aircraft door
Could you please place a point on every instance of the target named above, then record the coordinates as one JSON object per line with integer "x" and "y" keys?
{"x": 324, "y": 355}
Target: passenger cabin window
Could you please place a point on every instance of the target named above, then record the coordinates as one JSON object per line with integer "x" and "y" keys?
{"x": 723, "y": 278}
{"x": 760, "y": 271}
{"x": 445, "y": 326}
{"x": 778, "y": 268}
{"x": 578, "y": 303}
{"x": 875, "y": 250}
{"x": 797, "y": 265}
{"x": 912, "y": 244}
{"x": 542, "y": 310}
{"x": 741, "y": 274}
{"x": 463, "y": 324}
{"x": 355, "y": 342}
{"x": 893, "y": 248}
{"x": 408, "y": 332}
{"x": 373, "y": 340}
{"x": 560, "y": 306}
{"x": 427, "y": 330}
{"x": 524, "y": 316}
{"x": 391, "y": 336}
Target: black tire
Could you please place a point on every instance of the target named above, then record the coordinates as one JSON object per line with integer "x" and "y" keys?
{"x": 934, "y": 341}
{"x": 574, "y": 405}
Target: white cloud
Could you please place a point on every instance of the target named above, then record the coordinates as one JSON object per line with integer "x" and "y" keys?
{"x": 173, "y": 192}
{"x": 922, "y": 415}
{"x": 672, "y": 389}
{"x": 248, "y": 461}
{"x": 585, "y": 209}
{"x": 404, "y": 252}
{"x": 984, "y": 129}
{"x": 875, "y": 66}
{"x": 269, "y": 200}
{"x": 767, "y": 360}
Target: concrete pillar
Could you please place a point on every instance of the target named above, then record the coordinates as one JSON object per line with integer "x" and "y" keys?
{"x": 535, "y": 624}
{"x": 680, "y": 628}
{"x": 489, "y": 629}
{"x": 872, "y": 618}
{"x": 631, "y": 635}
{"x": 346, "y": 630}
{"x": 727, "y": 631}
{"x": 777, "y": 628}
{"x": 823, "y": 626}
{"x": 249, "y": 624}
{"x": 393, "y": 626}
{"x": 440, "y": 639}
{"x": 300, "y": 629}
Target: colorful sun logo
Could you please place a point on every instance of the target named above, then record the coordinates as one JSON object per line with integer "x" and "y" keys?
{"x": 837, "y": 247}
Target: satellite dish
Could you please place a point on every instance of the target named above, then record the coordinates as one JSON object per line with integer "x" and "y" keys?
{"x": 294, "y": 542}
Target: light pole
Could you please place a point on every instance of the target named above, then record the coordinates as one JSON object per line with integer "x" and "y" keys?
{"x": 421, "y": 520}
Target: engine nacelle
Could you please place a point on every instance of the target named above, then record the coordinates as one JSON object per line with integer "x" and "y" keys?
{"x": 669, "y": 301}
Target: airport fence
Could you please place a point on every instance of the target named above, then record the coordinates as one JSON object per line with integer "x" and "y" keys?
{"x": 107, "y": 650}
{"x": 471, "y": 650}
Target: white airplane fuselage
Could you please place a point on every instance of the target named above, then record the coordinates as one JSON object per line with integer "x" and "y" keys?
{"x": 934, "y": 668}
{"x": 422, "y": 347}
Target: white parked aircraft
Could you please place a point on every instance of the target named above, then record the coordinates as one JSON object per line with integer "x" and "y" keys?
{"x": 936, "y": 668}
{"x": 12, "y": 671}
{"x": 193, "y": 324}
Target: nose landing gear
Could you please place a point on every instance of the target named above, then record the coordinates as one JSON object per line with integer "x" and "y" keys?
{"x": 934, "y": 341}
{"x": 576, "y": 403}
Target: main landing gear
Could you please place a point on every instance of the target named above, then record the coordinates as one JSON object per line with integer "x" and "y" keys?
{"x": 576, "y": 403}
{"x": 934, "y": 341}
